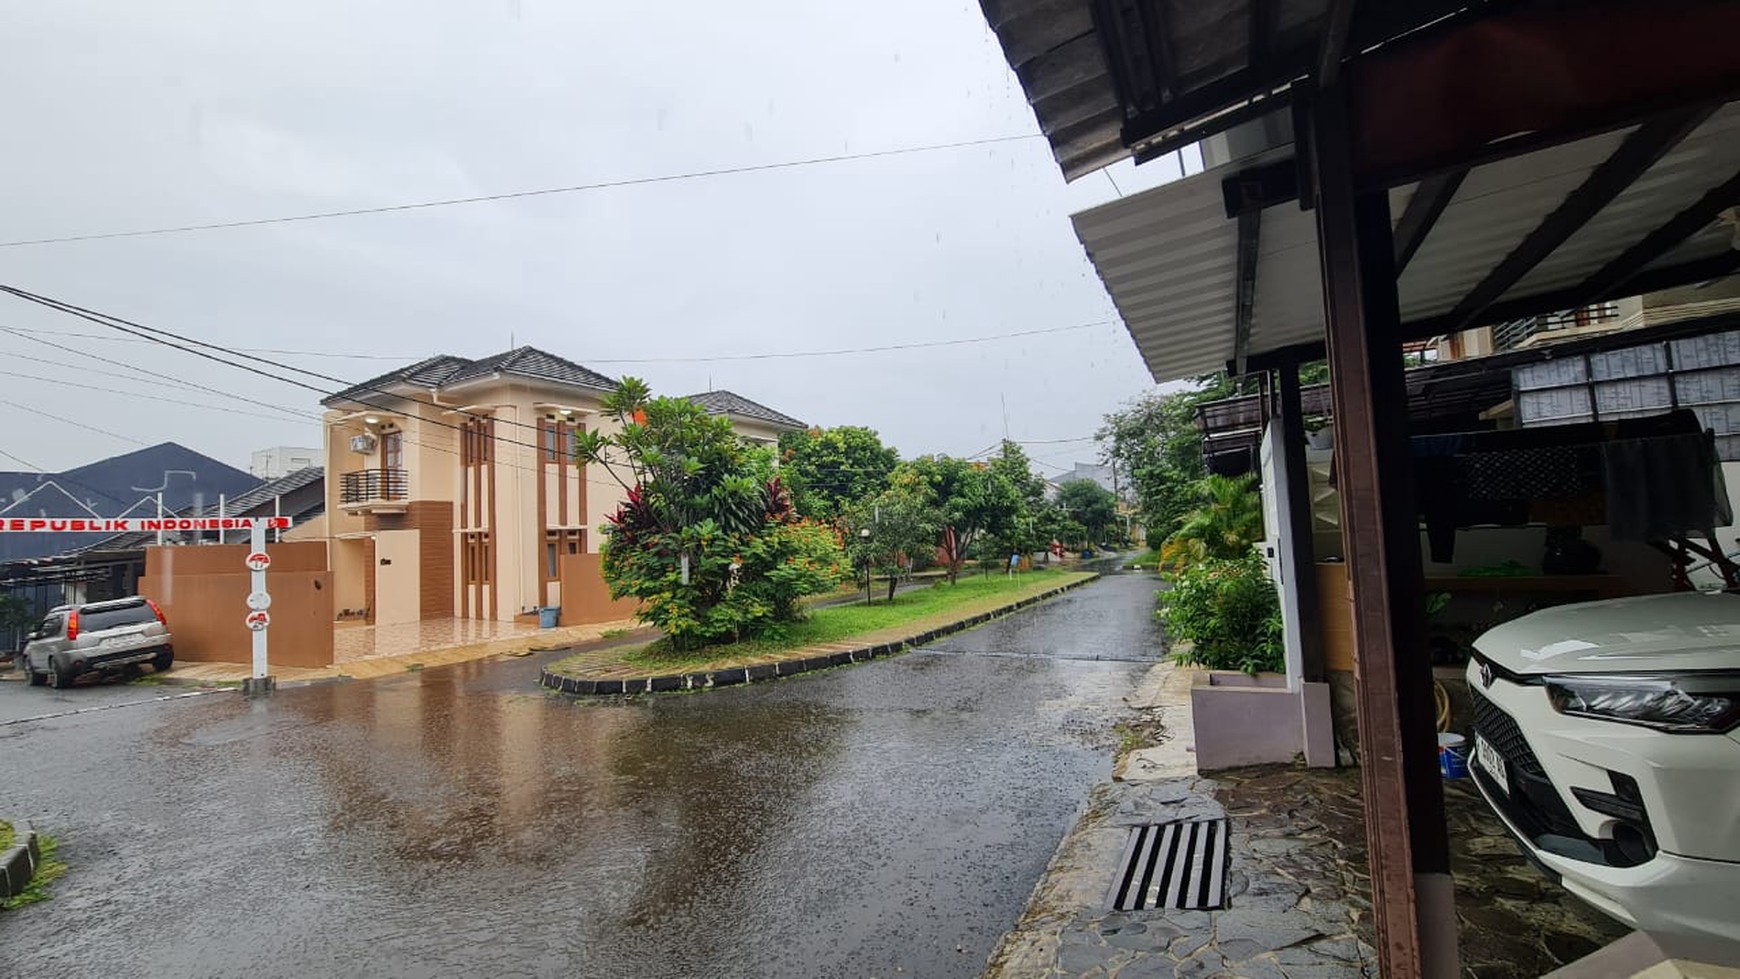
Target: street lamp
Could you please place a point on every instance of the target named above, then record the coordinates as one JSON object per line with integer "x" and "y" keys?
{"x": 864, "y": 536}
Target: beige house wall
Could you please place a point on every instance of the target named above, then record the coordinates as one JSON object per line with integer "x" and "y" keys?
{"x": 361, "y": 579}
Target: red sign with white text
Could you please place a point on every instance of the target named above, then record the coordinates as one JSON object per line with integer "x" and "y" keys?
{"x": 134, "y": 525}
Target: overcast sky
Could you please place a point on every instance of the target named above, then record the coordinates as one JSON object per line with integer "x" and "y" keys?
{"x": 124, "y": 115}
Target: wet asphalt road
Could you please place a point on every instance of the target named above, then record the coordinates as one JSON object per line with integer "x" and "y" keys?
{"x": 887, "y": 819}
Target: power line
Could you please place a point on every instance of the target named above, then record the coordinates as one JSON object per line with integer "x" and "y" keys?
{"x": 241, "y": 350}
{"x": 140, "y": 330}
{"x": 776, "y": 355}
{"x": 518, "y": 194}
{"x": 23, "y": 462}
{"x": 153, "y": 375}
{"x": 785, "y": 354}
{"x": 1080, "y": 438}
{"x": 156, "y": 335}
{"x": 58, "y": 382}
{"x": 73, "y": 423}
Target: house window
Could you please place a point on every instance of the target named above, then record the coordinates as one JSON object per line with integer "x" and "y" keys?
{"x": 552, "y": 438}
{"x": 393, "y": 450}
{"x": 556, "y": 544}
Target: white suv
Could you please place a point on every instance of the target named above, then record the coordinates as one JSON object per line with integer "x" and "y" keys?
{"x": 1605, "y": 737}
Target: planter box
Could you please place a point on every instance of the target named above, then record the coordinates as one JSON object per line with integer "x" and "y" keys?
{"x": 1244, "y": 720}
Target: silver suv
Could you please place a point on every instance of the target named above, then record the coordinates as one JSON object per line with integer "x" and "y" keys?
{"x": 99, "y": 636}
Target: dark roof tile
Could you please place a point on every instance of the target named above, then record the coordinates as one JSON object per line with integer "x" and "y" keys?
{"x": 728, "y": 403}
{"x": 446, "y": 369}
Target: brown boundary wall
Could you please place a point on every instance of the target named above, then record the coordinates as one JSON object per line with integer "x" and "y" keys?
{"x": 585, "y": 597}
{"x": 203, "y": 592}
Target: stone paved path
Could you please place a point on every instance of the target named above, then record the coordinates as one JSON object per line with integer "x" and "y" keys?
{"x": 1298, "y": 881}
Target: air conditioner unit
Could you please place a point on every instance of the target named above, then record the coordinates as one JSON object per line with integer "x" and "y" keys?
{"x": 362, "y": 443}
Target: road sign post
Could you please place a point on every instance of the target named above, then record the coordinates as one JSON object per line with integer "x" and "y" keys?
{"x": 258, "y": 619}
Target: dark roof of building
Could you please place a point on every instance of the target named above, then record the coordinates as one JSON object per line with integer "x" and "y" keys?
{"x": 282, "y": 486}
{"x": 439, "y": 371}
{"x": 728, "y": 403}
{"x": 162, "y": 468}
{"x": 536, "y": 364}
{"x": 110, "y": 487}
{"x": 426, "y": 373}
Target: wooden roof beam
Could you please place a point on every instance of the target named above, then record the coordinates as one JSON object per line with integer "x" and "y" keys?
{"x": 1423, "y": 210}
{"x": 1606, "y": 283}
{"x": 1245, "y": 298}
{"x": 1640, "y": 151}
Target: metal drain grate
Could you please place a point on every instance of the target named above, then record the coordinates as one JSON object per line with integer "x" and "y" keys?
{"x": 1173, "y": 865}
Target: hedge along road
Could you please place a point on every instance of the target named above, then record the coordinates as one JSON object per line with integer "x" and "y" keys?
{"x": 893, "y": 815}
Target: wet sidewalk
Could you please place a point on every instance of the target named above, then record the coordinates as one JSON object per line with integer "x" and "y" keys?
{"x": 368, "y": 652}
{"x": 1297, "y": 879}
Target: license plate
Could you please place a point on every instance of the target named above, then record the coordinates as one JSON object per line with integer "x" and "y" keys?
{"x": 119, "y": 641}
{"x": 1488, "y": 758}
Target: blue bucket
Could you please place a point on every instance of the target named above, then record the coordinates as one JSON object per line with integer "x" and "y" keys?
{"x": 549, "y": 616}
{"x": 1452, "y": 755}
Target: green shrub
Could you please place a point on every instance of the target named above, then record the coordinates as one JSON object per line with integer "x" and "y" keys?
{"x": 707, "y": 538}
{"x": 1228, "y": 610}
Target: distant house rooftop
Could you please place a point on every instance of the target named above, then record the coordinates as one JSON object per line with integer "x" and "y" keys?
{"x": 447, "y": 370}
{"x": 737, "y": 406}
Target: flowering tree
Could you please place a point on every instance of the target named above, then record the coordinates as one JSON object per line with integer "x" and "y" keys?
{"x": 707, "y": 538}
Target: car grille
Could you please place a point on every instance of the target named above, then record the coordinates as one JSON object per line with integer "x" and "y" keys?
{"x": 1531, "y": 801}
{"x": 1501, "y": 731}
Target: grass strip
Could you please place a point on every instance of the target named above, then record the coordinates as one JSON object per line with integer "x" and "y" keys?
{"x": 880, "y": 621}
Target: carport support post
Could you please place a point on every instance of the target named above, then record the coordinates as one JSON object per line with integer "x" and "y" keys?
{"x": 1412, "y": 895}
{"x": 1316, "y": 719}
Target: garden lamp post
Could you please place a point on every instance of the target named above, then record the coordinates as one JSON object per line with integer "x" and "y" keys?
{"x": 864, "y": 535}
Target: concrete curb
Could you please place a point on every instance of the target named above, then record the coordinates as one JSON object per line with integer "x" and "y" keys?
{"x": 710, "y": 679}
{"x": 18, "y": 864}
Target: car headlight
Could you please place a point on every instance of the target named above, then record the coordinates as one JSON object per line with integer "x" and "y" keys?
{"x": 1681, "y": 703}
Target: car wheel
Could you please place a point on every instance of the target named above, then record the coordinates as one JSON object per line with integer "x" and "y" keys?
{"x": 163, "y": 661}
{"x": 58, "y": 676}
{"x": 36, "y": 679}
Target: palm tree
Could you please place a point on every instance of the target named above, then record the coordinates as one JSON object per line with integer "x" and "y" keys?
{"x": 1228, "y": 519}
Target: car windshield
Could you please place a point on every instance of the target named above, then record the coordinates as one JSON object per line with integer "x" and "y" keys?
{"x": 114, "y": 616}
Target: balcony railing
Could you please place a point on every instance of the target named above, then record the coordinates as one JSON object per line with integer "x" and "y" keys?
{"x": 1508, "y": 336}
{"x": 373, "y": 486}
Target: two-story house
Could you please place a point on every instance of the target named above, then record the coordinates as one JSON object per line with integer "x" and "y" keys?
{"x": 452, "y": 488}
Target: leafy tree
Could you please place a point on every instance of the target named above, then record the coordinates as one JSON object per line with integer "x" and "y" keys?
{"x": 1017, "y": 526}
{"x": 1156, "y": 442}
{"x": 970, "y": 500}
{"x": 1227, "y": 521}
{"x": 902, "y": 523}
{"x": 707, "y": 539}
{"x": 14, "y": 614}
{"x": 1090, "y": 505}
{"x": 829, "y": 469}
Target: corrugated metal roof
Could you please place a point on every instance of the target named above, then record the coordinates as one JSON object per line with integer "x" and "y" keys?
{"x": 1156, "y": 54}
{"x": 1701, "y": 161}
{"x": 1168, "y": 256}
{"x": 1057, "y": 56}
